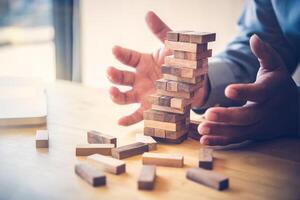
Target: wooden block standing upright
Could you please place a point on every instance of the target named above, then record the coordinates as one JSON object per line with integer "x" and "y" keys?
{"x": 129, "y": 150}
{"x": 91, "y": 175}
{"x": 206, "y": 158}
{"x": 42, "y": 139}
{"x": 147, "y": 177}
{"x": 108, "y": 164}
{"x": 162, "y": 159}
{"x": 95, "y": 137}
{"x": 208, "y": 178}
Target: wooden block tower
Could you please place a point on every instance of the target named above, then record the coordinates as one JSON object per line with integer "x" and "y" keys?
{"x": 183, "y": 74}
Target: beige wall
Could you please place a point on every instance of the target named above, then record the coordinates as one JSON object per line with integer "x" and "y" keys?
{"x": 106, "y": 23}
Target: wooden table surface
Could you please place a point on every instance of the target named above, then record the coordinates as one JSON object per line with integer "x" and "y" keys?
{"x": 264, "y": 170}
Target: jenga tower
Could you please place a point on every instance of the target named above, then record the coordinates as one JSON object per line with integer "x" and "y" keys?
{"x": 183, "y": 74}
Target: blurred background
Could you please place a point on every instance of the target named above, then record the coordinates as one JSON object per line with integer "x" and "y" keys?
{"x": 72, "y": 39}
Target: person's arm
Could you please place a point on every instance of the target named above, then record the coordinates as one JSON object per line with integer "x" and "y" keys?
{"x": 299, "y": 111}
{"x": 237, "y": 64}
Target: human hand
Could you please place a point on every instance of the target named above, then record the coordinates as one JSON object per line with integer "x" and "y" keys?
{"x": 271, "y": 109}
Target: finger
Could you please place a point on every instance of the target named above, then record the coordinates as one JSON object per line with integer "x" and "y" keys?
{"x": 267, "y": 56}
{"x": 218, "y": 140}
{"x": 132, "y": 119}
{"x": 122, "y": 97}
{"x": 233, "y": 116}
{"x": 257, "y": 92}
{"x": 157, "y": 26}
{"x": 226, "y": 130}
{"x": 127, "y": 56}
{"x": 120, "y": 77}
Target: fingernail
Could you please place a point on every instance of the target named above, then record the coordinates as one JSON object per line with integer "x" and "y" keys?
{"x": 213, "y": 116}
{"x": 234, "y": 92}
{"x": 204, "y": 130}
{"x": 206, "y": 141}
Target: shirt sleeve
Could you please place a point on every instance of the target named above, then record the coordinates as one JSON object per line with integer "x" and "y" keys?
{"x": 237, "y": 64}
{"x": 299, "y": 111}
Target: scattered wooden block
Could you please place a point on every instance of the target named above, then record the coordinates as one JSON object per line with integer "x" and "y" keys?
{"x": 174, "y": 35}
{"x": 152, "y": 144}
{"x": 193, "y": 64}
{"x": 42, "y": 139}
{"x": 189, "y": 47}
{"x": 165, "y": 116}
{"x": 181, "y": 94}
{"x": 129, "y": 150}
{"x": 183, "y": 72}
{"x": 171, "y": 141}
{"x": 90, "y": 174}
{"x": 206, "y": 158}
{"x": 208, "y": 178}
{"x": 169, "y": 126}
{"x": 89, "y": 149}
{"x": 185, "y": 80}
{"x": 108, "y": 164}
{"x": 197, "y": 37}
{"x": 162, "y": 159}
{"x": 95, "y": 137}
{"x": 147, "y": 177}
{"x": 192, "y": 56}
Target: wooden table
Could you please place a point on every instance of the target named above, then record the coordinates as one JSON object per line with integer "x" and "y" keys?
{"x": 265, "y": 170}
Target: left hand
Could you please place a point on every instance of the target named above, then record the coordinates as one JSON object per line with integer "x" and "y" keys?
{"x": 271, "y": 109}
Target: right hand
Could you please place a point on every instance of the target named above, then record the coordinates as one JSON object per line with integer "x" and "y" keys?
{"x": 147, "y": 71}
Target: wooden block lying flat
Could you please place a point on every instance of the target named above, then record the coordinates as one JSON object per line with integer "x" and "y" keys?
{"x": 89, "y": 149}
{"x": 185, "y": 80}
{"x": 171, "y": 141}
{"x": 175, "y": 86}
{"x": 183, "y": 72}
{"x": 169, "y": 126}
{"x": 161, "y": 84}
{"x": 162, "y": 159}
{"x": 206, "y": 158}
{"x": 193, "y": 64}
{"x": 186, "y": 95}
{"x": 160, "y": 100}
{"x": 152, "y": 144}
{"x": 129, "y": 150}
{"x": 197, "y": 37}
{"x": 165, "y": 116}
{"x": 174, "y": 35}
{"x": 183, "y": 46}
{"x": 192, "y": 56}
{"x": 173, "y": 135}
{"x": 149, "y": 132}
{"x": 95, "y": 137}
{"x": 159, "y": 133}
{"x": 108, "y": 164}
{"x": 170, "y": 109}
{"x": 42, "y": 139}
{"x": 91, "y": 175}
{"x": 208, "y": 178}
{"x": 147, "y": 177}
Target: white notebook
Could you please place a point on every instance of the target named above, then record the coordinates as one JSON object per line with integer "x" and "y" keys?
{"x": 22, "y": 102}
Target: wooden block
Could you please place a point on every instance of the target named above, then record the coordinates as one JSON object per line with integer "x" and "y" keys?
{"x": 170, "y": 109}
{"x": 193, "y": 64}
{"x": 42, "y": 139}
{"x": 184, "y": 37}
{"x": 149, "y": 131}
{"x": 206, "y": 158}
{"x": 192, "y": 56}
{"x": 175, "y": 86}
{"x": 171, "y": 141}
{"x": 208, "y": 178}
{"x": 184, "y": 72}
{"x": 89, "y": 149}
{"x": 152, "y": 144}
{"x": 176, "y": 134}
{"x": 179, "y": 103}
{"x": 193, "y": 130}
{"x": 95, "y": 137}
{"x": 197, "y": 37}
{"x": 168, "y": 126}
{"x": 166, "y": 101}
{"x": 164, "y": 116}
{"x": 161, "y": 84}
{"x": 183, "y": 46}
{"x": 91, "y": 175}
{"x": 108, "y": 164}
{"x": 161, "y": 159}
{"x": 181, "y": 94}
{"x": 160, "y": 100}
{"x": 159, "y": 133}
{"x": 129, "y": 150}
{"x": 147, "y": 177}
{"x": 185, "y": 80}
{"x": 174, "y": 35}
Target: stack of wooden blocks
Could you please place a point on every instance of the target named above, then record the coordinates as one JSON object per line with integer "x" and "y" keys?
{"x": 183, "y": 74}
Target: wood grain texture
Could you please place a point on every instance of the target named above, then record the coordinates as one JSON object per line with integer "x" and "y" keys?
{"x": 185, "y": 80}
{"x": 197, "y": 37}
{"x": 42, "y": 139}
{"x": 95, "y": 137}
{"x": 156, "y": 115}
{"x": 171, "y": 141}
{"x": 147, "y": 177}
{"x": 208, "y": 178}
{"x": 189, "y": 47}
{"x": 206, "y": 158}
{"x": 152, "y": 144}
{"x": 181, "y": 94}
{"x": 108, "y": 164}
{"x": 169, "y": 126}
{"x": 192, "y": 64}
{"x": 170, "y": 109}
{"x": 192, "y": 56}
{"x": 91, "y": 175}
{"x": 174, "y": 35}
{"x": 89, "y": 149}
{"x": 129, "y": 150}
{"x": 162, "y": 159}
{"x": 184, "y": 72}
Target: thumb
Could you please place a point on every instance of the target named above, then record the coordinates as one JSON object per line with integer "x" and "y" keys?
{"x": 266, "y": 55}
{"x": 157, "y": 26}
